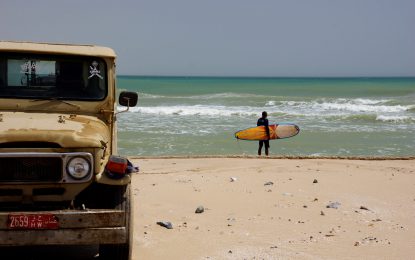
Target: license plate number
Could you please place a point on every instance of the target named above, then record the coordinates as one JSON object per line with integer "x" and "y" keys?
{"x": 32, "y": 221}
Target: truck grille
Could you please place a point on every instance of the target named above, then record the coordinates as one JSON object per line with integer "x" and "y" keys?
{"x": 28, "y": 169}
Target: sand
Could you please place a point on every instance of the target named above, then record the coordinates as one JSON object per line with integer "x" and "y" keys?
{"x": 274, "y": 209}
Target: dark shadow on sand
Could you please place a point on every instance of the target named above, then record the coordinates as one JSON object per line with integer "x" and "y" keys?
{"x": 49, "y": 252}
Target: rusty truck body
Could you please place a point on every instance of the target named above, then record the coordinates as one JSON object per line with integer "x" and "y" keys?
{"x": 58, "y": 134}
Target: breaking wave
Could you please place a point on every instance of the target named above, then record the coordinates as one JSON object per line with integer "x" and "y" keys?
{"x": 362, "y": 110}
{"x": 396, "y": 119}
{"x": 196, "y": 110}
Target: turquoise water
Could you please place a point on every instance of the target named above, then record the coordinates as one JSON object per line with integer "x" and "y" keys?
{"x": 337, "y": 116}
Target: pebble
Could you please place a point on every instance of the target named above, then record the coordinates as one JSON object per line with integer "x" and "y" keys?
{"x": 165, "y": 224}
{"x": 364, "y": 208}
{"x": 369, "y": 239}
{"x": 268, "y": 183}
{"x": 333, "y": 205}
{"x": 233, "y": 179}
{"x": 315, "y": 181}
{"x": 199, "y": 210}
{"x": 322, "y": 213}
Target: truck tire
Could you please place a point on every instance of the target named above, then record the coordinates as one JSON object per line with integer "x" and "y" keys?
{"x": 122, "y": 199}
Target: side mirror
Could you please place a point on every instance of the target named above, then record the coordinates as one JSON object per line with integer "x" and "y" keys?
{"x": 128, "y": 99}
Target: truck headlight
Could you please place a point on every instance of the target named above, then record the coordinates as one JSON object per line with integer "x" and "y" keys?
{"x": 78, "y": 167}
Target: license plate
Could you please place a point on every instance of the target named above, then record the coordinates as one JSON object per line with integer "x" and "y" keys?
{"x": 32, "y": 221}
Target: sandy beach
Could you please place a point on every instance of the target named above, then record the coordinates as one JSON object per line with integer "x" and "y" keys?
{"x": 274, "y": 209}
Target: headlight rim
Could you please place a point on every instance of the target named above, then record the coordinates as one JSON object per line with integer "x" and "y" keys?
{"x": 88, "y": 162}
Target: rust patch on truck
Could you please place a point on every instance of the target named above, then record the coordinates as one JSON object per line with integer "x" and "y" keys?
{"x": 75, "y": 131}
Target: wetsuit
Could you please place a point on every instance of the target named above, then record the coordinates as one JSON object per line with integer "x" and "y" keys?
{"x": 264, "y": 122}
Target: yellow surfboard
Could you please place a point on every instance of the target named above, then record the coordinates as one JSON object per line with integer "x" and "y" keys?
{"x": 277, "y": 131}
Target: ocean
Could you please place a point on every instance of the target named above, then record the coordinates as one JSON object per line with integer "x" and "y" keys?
{"x": 337, "y": 116}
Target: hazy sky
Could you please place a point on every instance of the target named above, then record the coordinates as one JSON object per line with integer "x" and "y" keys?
{"x": 229, "y": 37}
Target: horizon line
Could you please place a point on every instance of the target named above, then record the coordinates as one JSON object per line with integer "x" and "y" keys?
{"x": 271, "y": 77}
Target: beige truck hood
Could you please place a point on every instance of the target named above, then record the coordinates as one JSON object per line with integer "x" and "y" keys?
{"x": 69, "y": 131}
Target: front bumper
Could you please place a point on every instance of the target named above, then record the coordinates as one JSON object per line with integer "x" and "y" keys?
{"x": 76, "y": 227}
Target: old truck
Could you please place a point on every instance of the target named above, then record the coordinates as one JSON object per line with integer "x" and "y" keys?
{"x": 61, "y": 181}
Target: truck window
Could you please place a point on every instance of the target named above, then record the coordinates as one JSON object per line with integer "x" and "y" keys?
{"x": 71, "y": 78}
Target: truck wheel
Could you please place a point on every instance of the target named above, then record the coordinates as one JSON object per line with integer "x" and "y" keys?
{"x": 123, "y": 200}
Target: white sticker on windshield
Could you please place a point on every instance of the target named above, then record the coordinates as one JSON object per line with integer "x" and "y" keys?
{"x": 94, "y": 71}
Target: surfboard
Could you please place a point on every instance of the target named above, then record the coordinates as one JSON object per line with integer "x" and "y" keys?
{"x": 277, "y": 131}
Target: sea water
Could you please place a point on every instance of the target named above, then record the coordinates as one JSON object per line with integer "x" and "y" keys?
{"x": 337, "y": 116}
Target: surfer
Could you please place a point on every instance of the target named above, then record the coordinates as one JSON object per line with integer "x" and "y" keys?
{"x": 264, "y": 121}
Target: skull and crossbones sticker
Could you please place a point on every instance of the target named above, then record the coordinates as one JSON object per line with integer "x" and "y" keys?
{"x": 27, "y": 67}
{"x": 94, "y": 71}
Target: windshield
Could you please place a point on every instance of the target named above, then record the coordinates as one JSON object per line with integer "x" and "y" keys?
{"x": 52, "y": 77}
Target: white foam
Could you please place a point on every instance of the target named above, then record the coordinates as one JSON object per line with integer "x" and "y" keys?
{"x": 365, "y": 101}
{"x": 350, "y": 107}
{"x": 397, "y": 119}
{"x": 196, "y": 110}
{"x": 318, "y": 109}
{"x": 150, "y": 96}
{"x": 338, "y": 106}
